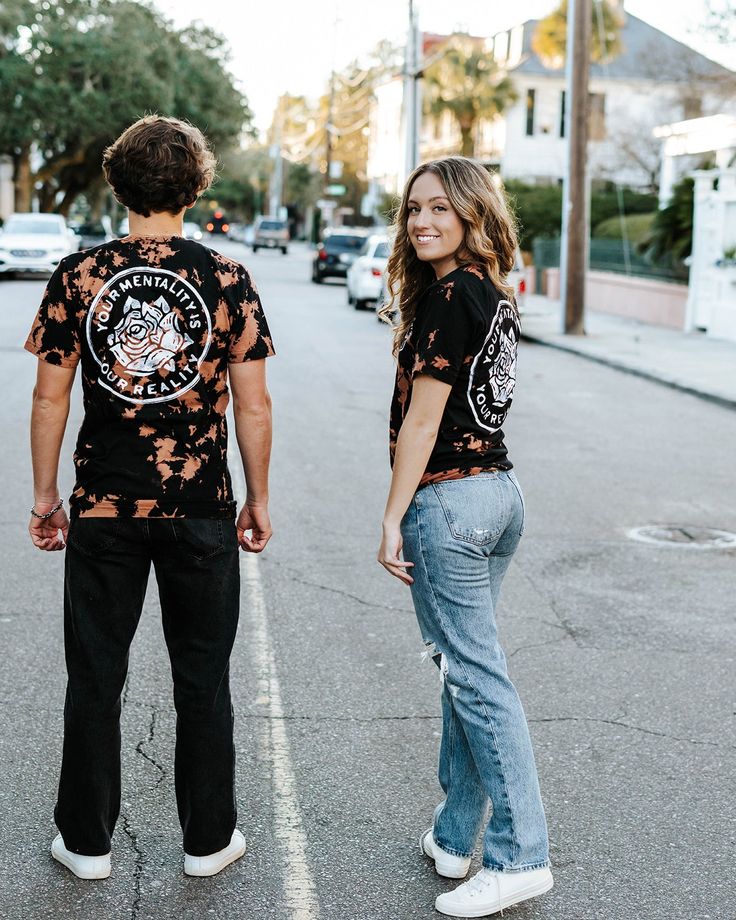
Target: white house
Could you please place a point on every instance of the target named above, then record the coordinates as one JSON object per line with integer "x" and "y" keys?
{"x": 653, "y": 76}
{"x": 655, "y": 79}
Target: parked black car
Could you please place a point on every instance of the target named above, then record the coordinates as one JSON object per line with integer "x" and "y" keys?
{"x": 94, "y": 232}
{"x": 337, "y": 252}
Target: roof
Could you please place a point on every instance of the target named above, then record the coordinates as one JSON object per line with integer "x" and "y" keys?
{"x": 648, "y": 54}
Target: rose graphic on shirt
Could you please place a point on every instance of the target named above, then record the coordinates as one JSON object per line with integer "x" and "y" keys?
{"x": 503, "y": 379}
{"x": 148, "y": 337}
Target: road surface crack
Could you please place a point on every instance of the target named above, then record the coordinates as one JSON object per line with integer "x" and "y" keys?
{"x": 635, "y": 728}
{"x": 286, "y": 718}
{"x": 137, "y": 868}
{"x": 570, "y": 630}
{"x": 531, "y": 645}
{"x": 355, "y": 597}
{"x": 145, "y": 754}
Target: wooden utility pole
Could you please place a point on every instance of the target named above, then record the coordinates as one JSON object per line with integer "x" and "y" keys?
{"x": 574, "y": 242}
{"x": 412, "y": 96}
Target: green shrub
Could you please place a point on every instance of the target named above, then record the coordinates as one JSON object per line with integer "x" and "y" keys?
{"x": 538, "y": 208}
{"x": 671, "y": 235}
{"x": 605, "y": 203}
{"x": 638, "y": 227}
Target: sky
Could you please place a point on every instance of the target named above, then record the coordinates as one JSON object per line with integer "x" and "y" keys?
{"x": 291, "y": 45}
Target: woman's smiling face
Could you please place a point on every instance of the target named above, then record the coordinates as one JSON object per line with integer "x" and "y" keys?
{"x": 434, "y": 226}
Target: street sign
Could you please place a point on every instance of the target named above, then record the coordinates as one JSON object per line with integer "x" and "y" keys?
{"x": 335, "y": 189}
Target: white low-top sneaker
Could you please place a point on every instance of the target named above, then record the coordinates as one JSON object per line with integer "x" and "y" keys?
{"x": 446, "y": 864}
{"x": 489, "y": 892}
{"x": 215, "y": 862}
{"x": 87, "y": 867}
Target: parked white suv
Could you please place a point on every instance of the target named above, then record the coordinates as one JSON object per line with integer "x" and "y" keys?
{"x": 35, "y": 243}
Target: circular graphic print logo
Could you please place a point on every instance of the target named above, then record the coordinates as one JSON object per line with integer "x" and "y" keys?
{"x": 149, "y": 331}
{"x": 493, "y": 373}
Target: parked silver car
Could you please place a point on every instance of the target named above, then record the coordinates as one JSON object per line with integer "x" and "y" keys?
{"x": 35, "y": 243}
{"x": 270, "y": 233}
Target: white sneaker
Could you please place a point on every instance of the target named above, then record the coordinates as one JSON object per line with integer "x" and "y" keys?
{"x": 215, "y": 862}
{"x": 446, "y": 864}
{"x": 489, "y": 891}
{"x": 87, "y": 867}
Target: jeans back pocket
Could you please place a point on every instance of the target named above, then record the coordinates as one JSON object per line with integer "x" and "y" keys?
{"x": 199, "y": 537}
{"x": 476, "y": 507}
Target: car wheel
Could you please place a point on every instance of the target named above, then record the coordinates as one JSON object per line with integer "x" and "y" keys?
{"x": 316, "y": 277}
{"x": 255, "y": 249}
{"x": 283, "y": 250}
{"x": 359, "y": 303}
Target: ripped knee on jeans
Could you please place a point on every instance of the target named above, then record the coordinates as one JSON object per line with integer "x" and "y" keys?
{"x": 440, "y": 659}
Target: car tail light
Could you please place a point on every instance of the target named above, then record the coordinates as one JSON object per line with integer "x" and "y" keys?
{"x": 522, "y": 286}
{"x": 322, "y": 255}
{"x": 225, "y": 228}
{"x": 210, "y": 226}
{"x": 376, "y": 272}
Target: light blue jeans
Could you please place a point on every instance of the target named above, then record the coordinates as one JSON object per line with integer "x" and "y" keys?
{"x": 461, "y": 535}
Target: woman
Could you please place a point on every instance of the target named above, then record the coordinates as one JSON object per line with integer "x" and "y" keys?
{"x": 456, "y": 511}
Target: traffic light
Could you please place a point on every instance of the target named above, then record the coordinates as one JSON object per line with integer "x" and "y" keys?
{"x": 218, "y": 223}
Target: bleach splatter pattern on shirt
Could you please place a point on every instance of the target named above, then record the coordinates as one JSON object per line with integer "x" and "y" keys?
{"x": 466, "y": 335}
{"x": 154, "y": 323}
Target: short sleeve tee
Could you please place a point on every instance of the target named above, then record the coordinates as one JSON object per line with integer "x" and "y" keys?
{"x": 466, "y": 335}
{"x": 154, "y": 323}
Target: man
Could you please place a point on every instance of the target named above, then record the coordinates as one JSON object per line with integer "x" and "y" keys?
{"x": 159, "y": 324}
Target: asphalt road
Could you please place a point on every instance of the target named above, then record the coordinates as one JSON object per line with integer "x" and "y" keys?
{"x": 623, "y": 653}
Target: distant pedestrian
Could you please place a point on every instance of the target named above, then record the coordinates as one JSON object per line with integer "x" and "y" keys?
{"x": 160, "y": 325}
{"x": 455, "y": 510}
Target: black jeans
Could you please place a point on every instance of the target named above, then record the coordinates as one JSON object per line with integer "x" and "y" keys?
{"x": 197, "y": 570}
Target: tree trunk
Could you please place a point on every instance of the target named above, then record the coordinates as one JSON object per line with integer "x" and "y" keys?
{"x": 467, "y": 146}
{"x": 23, "y": 179}
{"x": 70, "y": 196}
{"x": 47, "y": 198}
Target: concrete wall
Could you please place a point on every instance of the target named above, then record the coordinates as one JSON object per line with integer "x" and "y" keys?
{"x": 659, "y": 303}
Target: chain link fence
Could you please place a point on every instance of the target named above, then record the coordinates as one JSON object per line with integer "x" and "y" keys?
{"x": 610, "y": 256}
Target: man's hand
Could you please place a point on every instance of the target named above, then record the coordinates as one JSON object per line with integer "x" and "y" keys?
{"x": 45, "y": 534}
{"x": 256, "y": 519}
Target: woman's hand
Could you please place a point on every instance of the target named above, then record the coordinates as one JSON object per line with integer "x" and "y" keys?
{"x": 389, "y": 552}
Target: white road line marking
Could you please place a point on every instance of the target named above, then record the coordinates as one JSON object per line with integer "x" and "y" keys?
{"x": 299, "y": 888}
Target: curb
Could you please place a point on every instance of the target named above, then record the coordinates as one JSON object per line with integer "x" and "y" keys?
{"x": 723, "y": 401}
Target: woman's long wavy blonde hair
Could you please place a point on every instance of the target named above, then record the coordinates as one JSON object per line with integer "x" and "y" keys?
{"x": 490, "y": 238}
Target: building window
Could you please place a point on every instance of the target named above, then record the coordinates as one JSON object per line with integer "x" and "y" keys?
{"x": 692, "y": 107}
{"x": 530, "y": 94}
{"x": 596, "y": 116}
{"x": 562, "y": 113}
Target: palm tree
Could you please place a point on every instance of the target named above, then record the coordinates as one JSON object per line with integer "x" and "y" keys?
{"x": 550, "y": 36}
{"x": 465, "y": 82}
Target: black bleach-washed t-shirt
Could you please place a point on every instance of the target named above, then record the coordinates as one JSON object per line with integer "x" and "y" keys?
{"x": 465, "y": 334}
{"x": 154, "y": 322}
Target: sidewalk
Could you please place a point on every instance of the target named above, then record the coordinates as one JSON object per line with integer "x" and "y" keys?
{"x": 690, "y": 362}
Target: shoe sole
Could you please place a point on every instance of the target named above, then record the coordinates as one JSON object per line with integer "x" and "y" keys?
{"x": 534, "y": 891}
{"x": 61, "y": 857}
{"x": 222, "y": 863}
{"x": 445, "y": 874}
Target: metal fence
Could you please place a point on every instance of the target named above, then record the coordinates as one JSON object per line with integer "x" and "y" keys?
{"x": 610, "y": 256}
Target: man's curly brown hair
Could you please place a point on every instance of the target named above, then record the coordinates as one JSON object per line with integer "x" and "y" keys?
{"x": 159, "y": 164}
